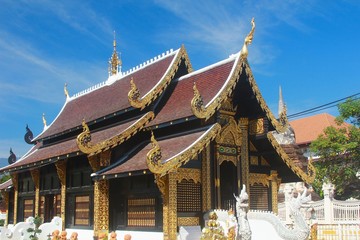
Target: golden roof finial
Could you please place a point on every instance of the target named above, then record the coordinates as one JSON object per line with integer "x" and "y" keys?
{"x": 114, "y": 62}
{"x": 248, "y": 40}
{"x": 44, "y": 120}
{"x": 66, "y": 92}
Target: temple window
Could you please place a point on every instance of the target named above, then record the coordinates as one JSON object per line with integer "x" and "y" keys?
{"x": 188, "y": 196}
{"x": 141, "y": 212}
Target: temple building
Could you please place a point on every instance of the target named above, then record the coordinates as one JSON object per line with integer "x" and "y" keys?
{"x": 154, "y": 148}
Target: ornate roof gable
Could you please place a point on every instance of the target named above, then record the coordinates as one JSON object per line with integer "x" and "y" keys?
{"x": 134, "y": 97}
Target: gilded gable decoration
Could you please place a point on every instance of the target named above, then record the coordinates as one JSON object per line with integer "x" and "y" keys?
{"x": 306, "y": 177}
{"x": 134, "y": 95}
{"x": 248, "y": 40}
{"x": 256, "y": 126}
{"x": 206, "y": 111}
{"x": 258, "y": 178}
{"x": 188, "y": 174}
{"x": 157, "y": 166}
{"x": 66, "y": 92}
{"x": 228, "y": 142}
{"x": 279, "y": 127}
{"x": 84, "y": 139}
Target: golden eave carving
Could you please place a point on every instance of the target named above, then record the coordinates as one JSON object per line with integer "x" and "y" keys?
{"x": 157, "y": 166}
{"x": 277, "y": 125}
{"x": 197, "y": 104}
{"x": 188, "y": 174}
{"x": 134, "y": 94}
{"x": 306, "y": 177}
{"x": 84, "y": 139}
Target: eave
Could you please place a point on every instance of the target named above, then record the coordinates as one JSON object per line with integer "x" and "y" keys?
{"x": 86, "y": 146}
{"x": 306, "y": 177}
{"x": 141, "y": 102}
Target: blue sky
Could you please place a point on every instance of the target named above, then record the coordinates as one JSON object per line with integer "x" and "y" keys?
{"x": 310, "y": 48}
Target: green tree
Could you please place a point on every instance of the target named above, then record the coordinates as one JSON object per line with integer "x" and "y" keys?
{"x": 339, "y": 152}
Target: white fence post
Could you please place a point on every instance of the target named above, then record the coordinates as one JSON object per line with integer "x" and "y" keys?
{"x": 328, "y": 189}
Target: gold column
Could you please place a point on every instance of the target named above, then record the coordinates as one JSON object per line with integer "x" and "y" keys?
{"x": 61, "y": 172}
{"x": 35, "y": 174}
{"x": 162, "y": 183}
{"x": 244, "y": 155}
{"x": 274, "y": 190}
{"x": 172, "y": 206}
{"x": 5, "y": 196}
{"x": 101, "y": 206}
{"x": 14, "y": 178}
{"x": 205, "y": 175}
{"x": 217, "y": 181}
{"x": 101, "y": 194}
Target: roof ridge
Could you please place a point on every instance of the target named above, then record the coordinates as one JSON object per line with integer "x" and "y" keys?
{"x": 120, "y": 75}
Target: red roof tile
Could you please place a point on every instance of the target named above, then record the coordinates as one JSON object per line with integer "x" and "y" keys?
{"x": 66, "y": 147}
{"x": 309, "y": 128}
{"x": 108, "y": 98}
{"x": 208, "y": 82}
{"x": 169, "y": 147}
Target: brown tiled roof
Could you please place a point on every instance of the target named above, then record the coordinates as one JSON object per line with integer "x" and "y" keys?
{"x": 108, "y": 98}
{"x": 295, "y": 154}
{"x": 309, "y": 128}
{"x": 169, "y": 147}
{"x": 5, "y": 185}
{"x": 208, "y": 82}
{"x": 53, "y": 152}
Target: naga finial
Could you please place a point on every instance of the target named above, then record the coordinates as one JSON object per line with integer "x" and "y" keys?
{"x": 66, "y": 92}
{"x": 248, "y": 40}
{"x": 44, "y": 120}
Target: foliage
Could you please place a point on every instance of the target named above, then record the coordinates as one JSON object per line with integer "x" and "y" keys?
{"x": 36, "y": 230}
{"x": 4, "y": 178}
{"x": 2, "y": 222}
{"x": 339, "y": 152}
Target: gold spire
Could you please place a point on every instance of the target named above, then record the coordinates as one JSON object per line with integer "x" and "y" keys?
{"x": 66, "y": 92}
{"x": 44, "y": 120}
{"x": 248, "y": 40}
{"x": 114, "y": 62}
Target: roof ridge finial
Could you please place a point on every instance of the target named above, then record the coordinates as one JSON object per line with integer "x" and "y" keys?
{"x": 282, "y": 109}
{"x": 114, "y": 62}
{"x": 66, "y": 92}
{"x": 248, "y": 40}
{"x": 44, "y": 120}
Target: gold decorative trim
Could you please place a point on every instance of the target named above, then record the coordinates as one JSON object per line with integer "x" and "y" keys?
{"x": 153, "y": 158}
{"x": 259, "y": 178}
{"x": 61, "y": 172}
{"x": 188, "y": 174}
{"x": 279, "y": 127}
{"x": 306, "y": 177}
{"x": 248, "y": 40}
{"x": 134, "y": 94}
{"x": 244, "y": 153}
{"x": 101, "y": 205}
{"x": 94, "y": 162}
{"x": 197, "y": 104}
{"x": 228, "y": 142}
{"x": 206, "y": 181}
{"x": 35, "y": 174}
{"x": 14, "y": 178}
{"x": 188, "y": 221}
{"x": 256, "y": 127}
{"x": 275, "y": 183}
{"x": 84, "y": 139}
{"x": 172, "y": 206}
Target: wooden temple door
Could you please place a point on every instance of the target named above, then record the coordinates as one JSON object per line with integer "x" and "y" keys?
{"x": 49, "y": 206}
{"x": 228, "y": 185}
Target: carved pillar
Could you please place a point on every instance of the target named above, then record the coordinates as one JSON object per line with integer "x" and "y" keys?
{"x": 101, "y": 194}
{"x": 5, "y": 196}
{"x": 275, "y": 181}
{"x": 244, "y": 155}
{"x": 61, "y": 172}
{"x": 172, "y": 206}
{"x": 205, "y": 179}
{"x": 101, "y": 206}
{"x": 35, "y": 174}
{"x": 162, "y": 183}
{"x": 217, "y": 183}
{"x": 14, "y": 178}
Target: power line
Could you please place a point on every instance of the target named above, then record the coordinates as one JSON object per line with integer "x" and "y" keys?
{"x": 323, "y": 107}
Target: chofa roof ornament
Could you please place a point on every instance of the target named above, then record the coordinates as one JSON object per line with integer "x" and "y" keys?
{"x": 244, "y": 51}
